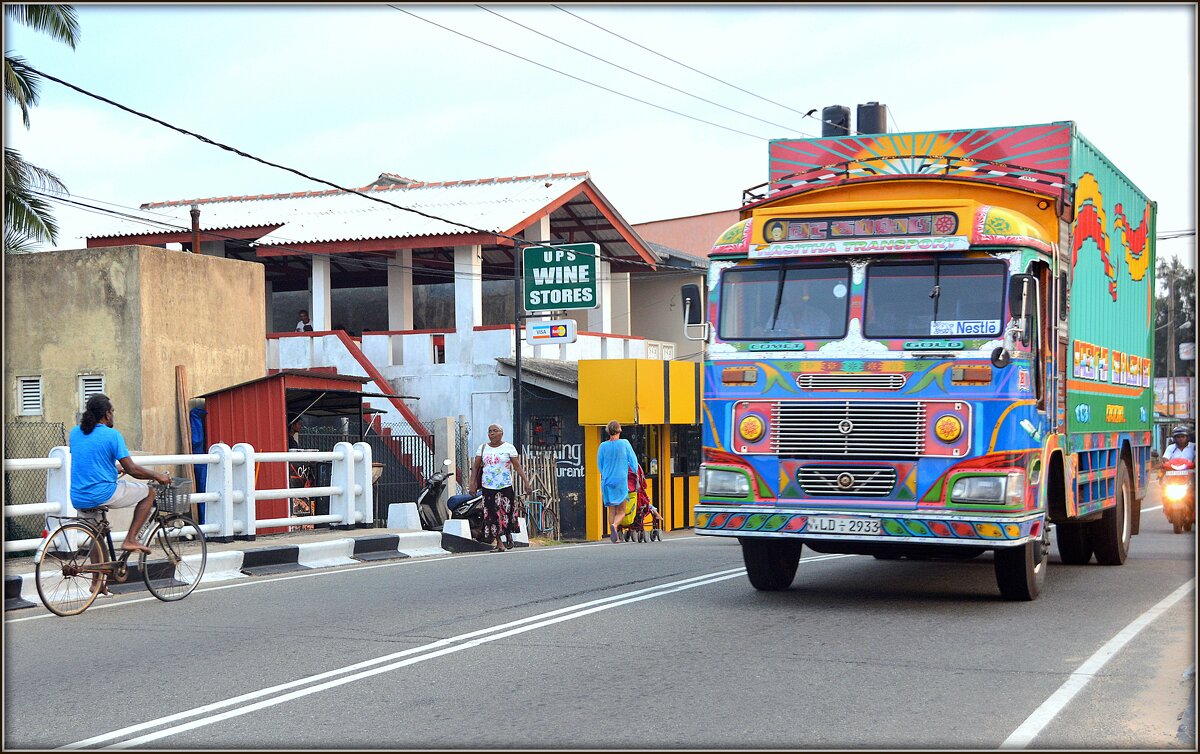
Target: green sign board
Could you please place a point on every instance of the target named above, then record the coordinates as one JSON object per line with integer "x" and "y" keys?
{"x": 560, "y": 277}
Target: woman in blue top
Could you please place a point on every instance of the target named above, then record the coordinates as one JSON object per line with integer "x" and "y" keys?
{"x": 96, "y": 449}
{"x": 615, "y": 459}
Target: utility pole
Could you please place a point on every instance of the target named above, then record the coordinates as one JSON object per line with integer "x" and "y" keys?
{"x": 1171, "y": 344}
{"x": 195, "y": 228}
{"x": 517, "y": 423}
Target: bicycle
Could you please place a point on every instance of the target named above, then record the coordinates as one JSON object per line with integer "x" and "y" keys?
{"x": 76, "y": 561}
{"x": 542, "y": 520}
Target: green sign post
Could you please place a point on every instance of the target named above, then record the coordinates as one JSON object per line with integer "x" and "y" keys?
{"x": 561, "y": 277}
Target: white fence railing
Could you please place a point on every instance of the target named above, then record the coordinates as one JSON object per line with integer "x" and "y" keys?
{"x": 230, "y": 499}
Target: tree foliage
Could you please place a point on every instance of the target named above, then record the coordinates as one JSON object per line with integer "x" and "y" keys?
{"x": 27, "y": 216}
{"x": 1174, "y": 310}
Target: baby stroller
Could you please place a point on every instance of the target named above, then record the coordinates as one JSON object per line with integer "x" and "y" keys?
{"x": 634, "y": 524}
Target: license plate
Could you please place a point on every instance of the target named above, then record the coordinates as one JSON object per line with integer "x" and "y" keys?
{"x": 843, "y": 525}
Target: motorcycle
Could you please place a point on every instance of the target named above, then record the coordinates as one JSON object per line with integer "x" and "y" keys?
{"x": 1179, "y": 493}
{"x": 469, "y": 507}
{"x": 432, "y": 511}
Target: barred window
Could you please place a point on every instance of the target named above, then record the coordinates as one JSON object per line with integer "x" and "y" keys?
{"x": 29, "y": 396}
{"x": 89, "y": 385}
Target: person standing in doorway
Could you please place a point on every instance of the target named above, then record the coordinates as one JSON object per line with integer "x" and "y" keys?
{"x": 303, "y": 325}
{"x": 616, "y": 461}
{"x": 493, "y": 471}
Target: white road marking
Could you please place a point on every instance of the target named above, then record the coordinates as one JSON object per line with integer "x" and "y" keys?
{"x": 427, "y": 652}
{"x": 269, "y": 579}
{"x": 1042, "y": 716}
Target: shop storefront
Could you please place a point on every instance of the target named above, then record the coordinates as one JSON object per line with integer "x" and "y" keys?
{"x": 657, "y": 403}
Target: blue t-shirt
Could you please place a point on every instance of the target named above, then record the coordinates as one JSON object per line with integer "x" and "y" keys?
{"x": 93, "y": 465}
{"x": 615, "y": 459}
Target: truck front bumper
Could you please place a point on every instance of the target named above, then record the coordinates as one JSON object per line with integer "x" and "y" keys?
{"x": 910, "y": 527}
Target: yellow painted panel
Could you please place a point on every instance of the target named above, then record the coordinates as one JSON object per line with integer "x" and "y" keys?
{"x": 593, "y": 504}
{"x": 683, "y": 393}
{"x": 607, "y": 391}
{"x": 651, "y": 408}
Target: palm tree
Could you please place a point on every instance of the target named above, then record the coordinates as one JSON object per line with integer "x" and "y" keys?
{"x": 27, "y": 217}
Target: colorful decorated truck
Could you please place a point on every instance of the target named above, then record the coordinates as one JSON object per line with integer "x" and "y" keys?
{"x": 930, "y": 346}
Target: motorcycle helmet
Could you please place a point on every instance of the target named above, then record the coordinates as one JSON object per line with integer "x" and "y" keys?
{"x": 1179, "y": 430}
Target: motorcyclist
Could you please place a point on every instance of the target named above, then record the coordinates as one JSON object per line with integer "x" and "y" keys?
{"x": 1181, "y": 447}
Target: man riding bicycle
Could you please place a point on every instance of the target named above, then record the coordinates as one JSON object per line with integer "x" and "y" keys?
{"x": 96, "y": 449}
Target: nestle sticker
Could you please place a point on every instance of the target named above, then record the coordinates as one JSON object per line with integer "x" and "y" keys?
{"x": 964, "y": 327}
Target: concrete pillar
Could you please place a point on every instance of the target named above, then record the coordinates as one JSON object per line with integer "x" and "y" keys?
{"x": 444, "y": 446}
{"x": 600, "y": 318}
{"x": 320, "y": 311}
{"x": 468, "y": 299}
{"x": 620, "y": 303}
{"x": 400, "y": 291}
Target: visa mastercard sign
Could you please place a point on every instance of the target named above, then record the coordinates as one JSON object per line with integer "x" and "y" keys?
{"x": 552, "y": 331}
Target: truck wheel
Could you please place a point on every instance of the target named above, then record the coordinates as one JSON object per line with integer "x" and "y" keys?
{"x": 1074, "y": 547}
{"x": 1110, "y": 535}
{"x": 770, "y": 563}
{"x": 1021, "y": 571}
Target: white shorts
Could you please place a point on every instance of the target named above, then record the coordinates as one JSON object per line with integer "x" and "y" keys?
{"x": 128, "y": 494}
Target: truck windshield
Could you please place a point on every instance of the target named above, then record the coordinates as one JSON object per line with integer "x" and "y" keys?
{"x": 934, "y": 299}
{"x": 784, "y": 302}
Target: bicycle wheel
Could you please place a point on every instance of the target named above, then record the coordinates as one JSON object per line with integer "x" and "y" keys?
{"x": 175, "y": 564}
{"x": 549, "y": 528}
{"x": 65, "y": 589}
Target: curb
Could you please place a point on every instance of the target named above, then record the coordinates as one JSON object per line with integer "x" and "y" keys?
{"x": 20, "y": 590}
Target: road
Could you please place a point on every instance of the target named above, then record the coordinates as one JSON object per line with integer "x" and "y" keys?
{"x": 656, "y": 645}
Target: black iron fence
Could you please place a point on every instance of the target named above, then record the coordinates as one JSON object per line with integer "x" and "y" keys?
{"x": 407, "y": 462}
{"x": 28, "y": 440}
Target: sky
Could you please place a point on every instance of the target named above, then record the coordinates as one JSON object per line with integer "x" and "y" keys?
{"x": 346, "y": 92}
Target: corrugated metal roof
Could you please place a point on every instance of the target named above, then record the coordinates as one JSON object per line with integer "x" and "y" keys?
{"x": 312, "y": 217}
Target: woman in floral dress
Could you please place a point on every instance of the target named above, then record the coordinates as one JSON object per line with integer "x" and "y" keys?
{"x": 494, "y": 466}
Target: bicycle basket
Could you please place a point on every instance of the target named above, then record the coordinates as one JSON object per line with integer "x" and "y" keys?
{"x": 175, "y": 498}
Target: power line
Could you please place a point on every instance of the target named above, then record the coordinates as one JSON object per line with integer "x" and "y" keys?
{"x": 808, "y": 114}
{"x": 635, "y": 73}
{"x": 516, "y": 241}
{"x": 571, "y": 76}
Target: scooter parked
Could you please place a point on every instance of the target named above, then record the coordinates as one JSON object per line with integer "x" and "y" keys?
{"x": 470, "y": 508}
{"x": 433, "y": 513}
{"x": 1179, "y": 493}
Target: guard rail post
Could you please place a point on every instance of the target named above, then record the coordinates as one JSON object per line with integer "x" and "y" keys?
{"x": 341, "y": 478}
{"x": 58, "y": 485}
{"x": 244, "y": 487}
{"x": 363, "y": 501}
{"x": 220, "y": 481}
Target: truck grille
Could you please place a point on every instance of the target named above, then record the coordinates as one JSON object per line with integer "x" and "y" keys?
{"x": 827, "y": 481}
{"x": 865, "y": 429}
{"x": 868, "y": 381}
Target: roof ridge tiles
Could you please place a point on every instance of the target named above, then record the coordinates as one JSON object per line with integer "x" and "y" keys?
{"x": 330, "y": 192}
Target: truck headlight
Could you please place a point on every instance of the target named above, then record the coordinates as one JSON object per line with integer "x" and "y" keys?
{"x": 990, "y": 490}
{"x": 724, "y": 483}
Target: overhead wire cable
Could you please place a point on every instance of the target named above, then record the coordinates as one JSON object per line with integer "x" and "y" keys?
{"x": 572, "y": 76}
{"x": 808, "y": 114}
{"x": 635, "y": 73}
{"x": 499, "y": 234}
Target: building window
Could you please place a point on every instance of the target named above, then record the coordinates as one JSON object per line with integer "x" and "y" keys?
{"x": 545, "y": 431}
{"x": 29, "y": 396}
{"x": 89, "y": 385}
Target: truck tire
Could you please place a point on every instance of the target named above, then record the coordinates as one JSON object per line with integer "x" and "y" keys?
{"x": 1110, "y": 535}
{"x": 1074, "y": 545}
{"x": 1021, "y": 570}
{"x": 770, "y": 563}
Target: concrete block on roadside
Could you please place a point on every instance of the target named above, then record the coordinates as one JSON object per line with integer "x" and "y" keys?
{"x": 403, "y": 516}
{"x": 334, "y": 552}
{"x": 459, "y": 527}
{"x": 223, "y": 566}
{"x": 521, "y": 535}
{"x": 419, "y": 544}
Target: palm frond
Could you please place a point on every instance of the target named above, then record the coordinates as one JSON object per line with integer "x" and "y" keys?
{"x": 59, "y": 21}
{"x": 27, "y": 217}
{"x": 20, "y": 85}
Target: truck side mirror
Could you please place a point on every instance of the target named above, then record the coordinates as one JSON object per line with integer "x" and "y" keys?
{"x": 693, "y": 306}
{"x": 1017, "y": 287}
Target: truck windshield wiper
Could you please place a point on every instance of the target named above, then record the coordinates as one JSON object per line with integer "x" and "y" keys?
{"x": 778, "y": 296}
